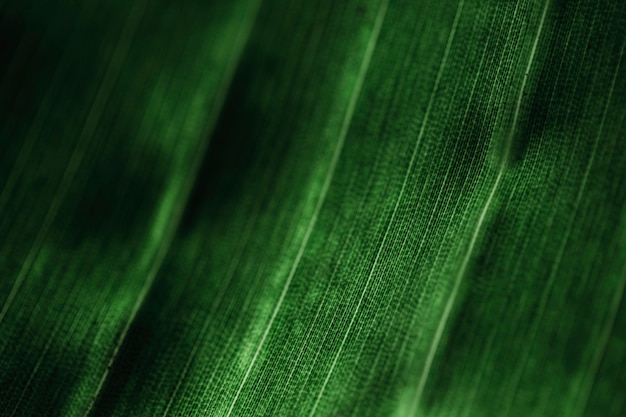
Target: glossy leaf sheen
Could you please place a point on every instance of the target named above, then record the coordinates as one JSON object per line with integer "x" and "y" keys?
{"x": 331, "y": 208}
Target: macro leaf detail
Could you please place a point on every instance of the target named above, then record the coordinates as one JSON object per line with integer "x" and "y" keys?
{"x": 355, "y": 208}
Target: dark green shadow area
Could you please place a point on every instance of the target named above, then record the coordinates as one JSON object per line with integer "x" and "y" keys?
{"x": 233, "y": 150}
{"x": 29, "y": 55}
{"x": 119, "y": 175}
{"x": 54, "y": 382}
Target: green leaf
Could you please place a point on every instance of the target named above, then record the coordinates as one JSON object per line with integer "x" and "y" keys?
{"x": 354, "y": 208}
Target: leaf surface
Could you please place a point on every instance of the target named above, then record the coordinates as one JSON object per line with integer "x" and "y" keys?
{"x": 385, "y": 208}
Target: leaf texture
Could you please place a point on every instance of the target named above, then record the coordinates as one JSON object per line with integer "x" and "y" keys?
{"x": 355, "y": 208}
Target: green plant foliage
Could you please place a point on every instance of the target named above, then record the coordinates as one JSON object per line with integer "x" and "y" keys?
{"x": 313, "y": 208}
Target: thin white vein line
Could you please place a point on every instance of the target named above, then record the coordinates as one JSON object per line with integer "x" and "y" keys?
{"x": 177, "y": 212}
{"x": 329, "y": 176}
{"x": 221, "y": 359}
{"x": 329, "y": 284}
{"x": 233, "y": 265}
{"x": 248, "y": 299}
{"x": 188, "y": 359}
{"x": 200, "y": 339}
{"x": 459, "y": 278}
{"x": 280, "y": 191}
{"x": 76, "y": 157}
{"x": 400, "y": 195}
{"x": 520, "y": 369}
{"x": 341, "y": 250}
{"x": 309, "y": 334}
{"x": 533, "y": 166}
{"x": 550, "y": 282}
{"x": 465, "y": 212}
{"x": 439, "y": 250}
{"x": 404, "y": 340}
{"x": 424, "y": 236}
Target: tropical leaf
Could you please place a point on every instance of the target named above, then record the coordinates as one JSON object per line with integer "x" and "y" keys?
{"x": 331, "y": 208}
